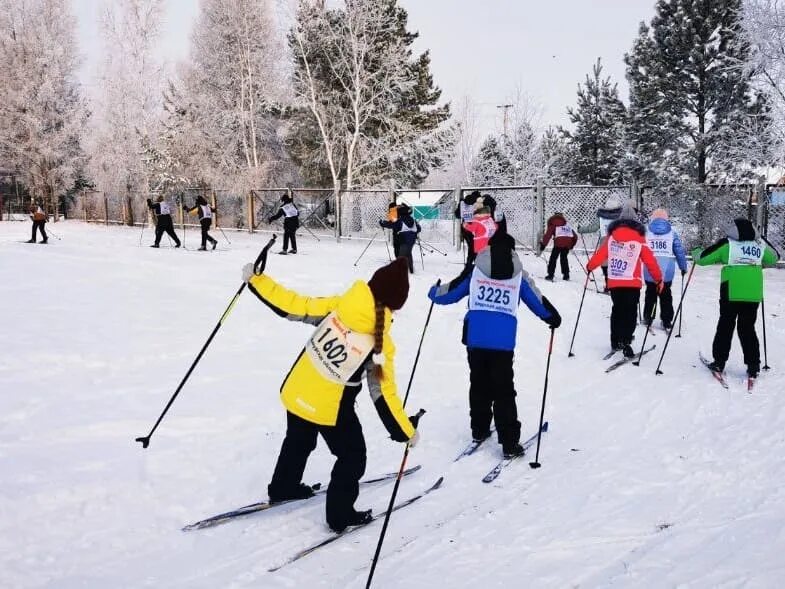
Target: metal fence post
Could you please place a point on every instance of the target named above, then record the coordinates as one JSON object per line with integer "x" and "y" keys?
{"x": 539, "y": 213}
{"x": 456, "y": 225}
{"x": 763, "y": 202}
{"x": 106, "y": 210}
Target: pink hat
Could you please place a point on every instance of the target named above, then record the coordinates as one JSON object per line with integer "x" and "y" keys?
{"x": 659, "y": 214}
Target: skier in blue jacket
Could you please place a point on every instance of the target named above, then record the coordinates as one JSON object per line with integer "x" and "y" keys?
{"x": 495, "y": 287}
{"x": 667, "y": 247}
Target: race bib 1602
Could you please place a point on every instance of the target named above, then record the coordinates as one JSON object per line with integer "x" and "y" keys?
{"x": 336, "y": 351}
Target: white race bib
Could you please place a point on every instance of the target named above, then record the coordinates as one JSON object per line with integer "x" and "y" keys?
{"x": 164, "y": 206}
{"x": 494, "y": 294}
{"x": 622, "y": 258}
{"x": 289, "y": 210}
{"x": 206, "y": 212}
{"x": 604, "y": 223}
{"x": 745, "y": 253}
{"x": 336, "y": 351}
{"x": 661, "y": 245}
{"x": 467, "y": 212}
{"x": 563, "y": 231}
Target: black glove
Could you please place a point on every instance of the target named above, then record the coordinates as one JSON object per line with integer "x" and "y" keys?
{"x": 381, "y": 223}
{"x": 554, "y": 321}
{"x": 269, "y": 220}
{"x": 683, "y": 272}
{"x": 415, "y": 419}
{"x": 542, "y": 248}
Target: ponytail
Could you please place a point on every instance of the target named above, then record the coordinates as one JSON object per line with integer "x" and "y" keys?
{"x": 378, "y": 340}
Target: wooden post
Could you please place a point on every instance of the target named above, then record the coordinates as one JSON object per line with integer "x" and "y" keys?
{"x": 215, "y": 206}
{"x": 250, "y": 213}
{"x": 84, "y": 204}
{"x": 106, "y": 210}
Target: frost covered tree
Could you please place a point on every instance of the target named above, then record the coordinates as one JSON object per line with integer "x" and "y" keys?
{"x": 688, "y": 98}
{"x": 492, "y": 165}
{"x": 221, "y": 112}
{"x": 127, "y": 107}
{"x": 598, "y": 135}
{"x": 41, "y": 112}
{"x": 366, "y": 108}
{"x": 558, "y": 156}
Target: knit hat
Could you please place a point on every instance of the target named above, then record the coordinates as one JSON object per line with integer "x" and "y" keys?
{"x": 741, "y": 230}
{"x": 501, "y": 246}
{"x": 285, "y": 198}
{"x": 390, "y": 284}
{"x": 629, "y": 211}
{"x": 659, "y": 214}
{"x": 612, "y": 203}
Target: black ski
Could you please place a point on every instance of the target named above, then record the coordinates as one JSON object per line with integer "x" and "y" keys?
{"x": 472, "y": 447}
{"x": 610, "y": 354}
{"x": 265, "y": 505}
{"x": 496, "y": 470}
{"x": 717, "y": 375}
{"x": 626, "y": 360}
{"x": 333, "y": 537}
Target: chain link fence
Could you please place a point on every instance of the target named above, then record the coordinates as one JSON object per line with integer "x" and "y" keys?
{"x": 772, "y": 216}
{"x": 520, "y": 207}
{"x": 579, "y": 204}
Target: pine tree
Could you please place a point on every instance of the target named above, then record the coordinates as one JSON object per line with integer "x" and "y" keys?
{"x": 597, "y": 141}
{"x": 557, "y": 156}
{"x": 367, "y": 108}
{"x": 688, "y": 96}
{"x": 492, "y": 165}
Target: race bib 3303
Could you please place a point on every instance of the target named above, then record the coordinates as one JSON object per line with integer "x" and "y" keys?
{"x": 622, "y": 258}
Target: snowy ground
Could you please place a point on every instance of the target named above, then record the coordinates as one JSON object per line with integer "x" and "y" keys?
{"x": 647, "y": 481}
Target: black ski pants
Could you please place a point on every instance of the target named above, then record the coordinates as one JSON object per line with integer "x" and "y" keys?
{"x": 666, "y": 303}
{"x": 345, "y": 441}
{"x": 405, "y": 251}
{"x": 624, "y": 314}
{"x": 741, "y": 317}
{"x": 492, "y": 394}
{"x": 165, "y": 225}
{"x": 562, "y": 254}
{"x": 206, "y": 223}
{"x": 288, "y": 235}
{"x": 40, "y": 226}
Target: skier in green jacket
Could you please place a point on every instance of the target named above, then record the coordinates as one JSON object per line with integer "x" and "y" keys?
{"x": 743, "y": 255}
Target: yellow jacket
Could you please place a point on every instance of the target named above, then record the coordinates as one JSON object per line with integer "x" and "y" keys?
{"x": 305, "y": 391}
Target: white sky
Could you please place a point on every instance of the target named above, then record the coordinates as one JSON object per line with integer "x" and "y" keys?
{"x": 482, "y": 48}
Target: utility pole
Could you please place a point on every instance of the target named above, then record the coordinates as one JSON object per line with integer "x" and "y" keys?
{"x": 506, "y": 107}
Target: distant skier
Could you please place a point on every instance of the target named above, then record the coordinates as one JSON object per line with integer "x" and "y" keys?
{"x": 495, "y": 287}
{"x": 465, "y": 212}
{"x": 564, "y": 239}
{"x": 392, "y": 217}
{"x": 38, "y": 217}
{"x": 743, "y": 256}
{"x": 319, "y": 392}
{"x": 482, "y": 227}
{"x": 163, "y": 214}
{"x": 666, "y": 246}
{"x": 291, "y": 223}
{"x": 407, "y": 230}
{"x": 606, "y": 215}
{"x": 624, "y": 250}
{"x": 205, "y": 213}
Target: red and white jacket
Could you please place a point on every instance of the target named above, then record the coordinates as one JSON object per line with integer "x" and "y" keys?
{"x": 482, "y": 227}
{"x": 624, "y": 250}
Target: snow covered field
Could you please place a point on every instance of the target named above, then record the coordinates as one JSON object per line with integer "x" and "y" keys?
{"x": 647, "y": 481}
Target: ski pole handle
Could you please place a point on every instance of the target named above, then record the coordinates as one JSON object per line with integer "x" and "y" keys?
{"x": 261, "y": 260}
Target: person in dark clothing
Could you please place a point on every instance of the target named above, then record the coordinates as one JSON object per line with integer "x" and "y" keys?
{"x": 743, "y": 255}
{"x": 564, "y": 239}
{"x": 205, "y": 213}
{"x": 163, "y": 215}
{"x": 407, "y": 230}
{"x": 291, "y": 223}
{"x": 38, "y": 217}
{"x": 392, "y": 217}
{"x": 465, "y": 212}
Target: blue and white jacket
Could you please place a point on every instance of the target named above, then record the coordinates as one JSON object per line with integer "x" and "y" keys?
{"x": 491, "y": 322}
{"x": 667, "y": 247}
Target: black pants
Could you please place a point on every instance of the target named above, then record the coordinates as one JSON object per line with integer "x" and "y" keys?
{"x": 742, "y": 317}
{"x": 468, "y": 237}
{"x": 561, "y": 253}
{"x": 345, "y": 441}
{"x": 288, "y": 234}
{"x": 405, "y": 251}
{"x": 624, "y": 314}
{"x": 165, "y": 225}
{"x": 39, "y": 225}
{"x": 666, "y": 303}
{"x": 205, "y": 235}
{"x": 396, "y": 243}
{"x": 492, "y": 394}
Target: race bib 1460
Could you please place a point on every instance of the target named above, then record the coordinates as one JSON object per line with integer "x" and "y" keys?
{"x": 336, "y": 351}
{"x": 745, "y": 253}
{"x": 622, "y": 258}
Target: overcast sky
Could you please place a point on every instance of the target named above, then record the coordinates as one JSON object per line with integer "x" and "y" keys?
{"x": 481, "y": 48}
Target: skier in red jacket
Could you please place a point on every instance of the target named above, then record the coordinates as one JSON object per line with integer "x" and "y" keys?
{"x": 624, "y": 250}
{"x": 564, "y": 239}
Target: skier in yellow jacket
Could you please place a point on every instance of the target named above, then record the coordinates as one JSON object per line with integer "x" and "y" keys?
{"x": 352, "y": 337}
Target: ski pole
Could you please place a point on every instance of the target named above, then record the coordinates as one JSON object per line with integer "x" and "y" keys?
{"x": 536, "y": 463}
{"x": 259, "y": 264}
{"x": 387, "y": 247}
{"x": 143, "y": 226}
{"x": 422, "y": 256}
{"x": 578, "y": 318}
{"x": 678, "y": 312}
{"x": 436, "y": 249}
{"x": 765, "y": 352}
{"x": 53, "y": 234}
{"x": 419, "y": 347}
{"x": 390, "y": 506}
{"x": 646, "y": 335}
{"x": 585, "y": 271}
{"x": 367, "y": 246}
{"x": 680, "y": 316}
{"x": 224, "y": 234}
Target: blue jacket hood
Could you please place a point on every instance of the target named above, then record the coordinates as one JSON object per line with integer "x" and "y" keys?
{"x": 660, "y": 226}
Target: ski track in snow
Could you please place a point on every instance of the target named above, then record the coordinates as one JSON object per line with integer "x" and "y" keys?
{"x": 647, "y": 481}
